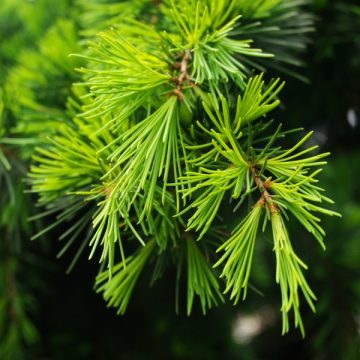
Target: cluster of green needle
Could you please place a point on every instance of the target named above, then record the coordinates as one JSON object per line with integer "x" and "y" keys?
{"x": 167, "y": 123}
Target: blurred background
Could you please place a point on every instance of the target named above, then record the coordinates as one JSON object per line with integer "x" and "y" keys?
{"x": 48, "y": 314}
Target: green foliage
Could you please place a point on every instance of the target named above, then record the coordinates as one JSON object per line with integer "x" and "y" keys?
{"x": 31, "y": 94}
{"x": 27, "y": 25}
{"x": 138, "y": 152}
{"x": 230, "y": 163}
{"x": 284, "y": 32}
{"x": 117, "y": 289}
{"x": 201, "y": 279}
{"x": 257, "y": 9}
{"x": 30, "y": 73}
{"x": 289, "y": 274}
{"x": 239, "y": 249}
{"x": 98, "y": 15}
{"x": 213, "y": 51}
{"x": 282, "y": 177}
{"x": 149, "y": 150}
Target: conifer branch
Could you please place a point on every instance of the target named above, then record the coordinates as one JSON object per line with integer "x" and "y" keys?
{"x": 163, "y": 127}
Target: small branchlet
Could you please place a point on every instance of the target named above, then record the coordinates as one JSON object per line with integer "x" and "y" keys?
{"x": 283, "y": 179}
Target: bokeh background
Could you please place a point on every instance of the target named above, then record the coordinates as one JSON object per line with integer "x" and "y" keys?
{"x": 48, "y": 314}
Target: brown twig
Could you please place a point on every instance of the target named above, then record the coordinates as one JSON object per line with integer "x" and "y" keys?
{"x": 264, "y": 186}
{"x": 183, "y": 76}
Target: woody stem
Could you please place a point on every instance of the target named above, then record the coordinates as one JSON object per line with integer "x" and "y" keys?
{"x": 264, "y": 186}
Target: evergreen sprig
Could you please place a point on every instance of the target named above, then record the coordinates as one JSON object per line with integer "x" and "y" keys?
{"x": 212, "y": 48}
{"x": 150, "y": 149}
{"x": 201, "y": 279}
{"x": 166, "y": 124}
{"x": 239, "y": 249}
{"x": 117, "y": 289}
{"x": 282, "y": 178}
{"x": 289, "y": 274}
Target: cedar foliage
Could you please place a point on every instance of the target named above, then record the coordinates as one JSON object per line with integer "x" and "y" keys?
{"x": 162, "y": 132}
